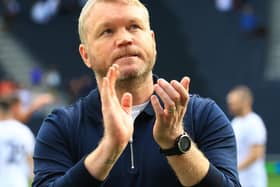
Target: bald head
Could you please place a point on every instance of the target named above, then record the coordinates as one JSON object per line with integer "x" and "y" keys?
{"x": 240, "y": 100}
{"x": 88, "y": 8}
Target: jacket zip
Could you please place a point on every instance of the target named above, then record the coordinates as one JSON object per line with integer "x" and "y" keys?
{"x": 132, "y": 166}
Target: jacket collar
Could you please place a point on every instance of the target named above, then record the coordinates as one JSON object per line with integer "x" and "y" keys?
{"x": 92, "y": 103}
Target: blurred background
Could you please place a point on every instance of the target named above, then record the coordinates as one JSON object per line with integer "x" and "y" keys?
{"x": 218, "y": 43}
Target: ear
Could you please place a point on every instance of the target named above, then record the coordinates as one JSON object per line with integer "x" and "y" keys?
{"x": 154, "y": 40}
{"x": 153, "y": 35}
{"x": 84, "y": 54}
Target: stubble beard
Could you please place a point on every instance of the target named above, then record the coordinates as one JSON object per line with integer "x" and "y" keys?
{"x": 133, "y": 79}
{"x": 130, "y": 80}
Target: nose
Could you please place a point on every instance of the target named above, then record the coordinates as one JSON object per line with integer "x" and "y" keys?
{"x": 124, "y": 37}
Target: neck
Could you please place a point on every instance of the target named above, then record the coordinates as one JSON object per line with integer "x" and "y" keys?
{"x": 141, "y": 88}
{"x": 5, "y": 115}
{"x": 246, "y": 111}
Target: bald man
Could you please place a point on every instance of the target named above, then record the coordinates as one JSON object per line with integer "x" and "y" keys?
{"x": 251, "y": 137}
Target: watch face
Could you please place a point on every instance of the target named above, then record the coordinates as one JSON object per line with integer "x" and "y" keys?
{"x": 184, "y": 143}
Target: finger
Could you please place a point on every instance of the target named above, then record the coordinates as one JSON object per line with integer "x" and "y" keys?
{"x": 168, "y": 88}
{"x": 126, "y": 103}
{"x": 112, "y": 75}
{"x": 104, "y": 92}
{"x": 184, "y": 95}
{"x": 106, "y": 85}
{"x": 186, "y": 83}
{"x": 168, "y": 102}
{"x": 157, "y": 107}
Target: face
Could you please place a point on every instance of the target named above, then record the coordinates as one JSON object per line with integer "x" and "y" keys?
{"x": 119, "y": 33}
{"x": 235, "y": 104}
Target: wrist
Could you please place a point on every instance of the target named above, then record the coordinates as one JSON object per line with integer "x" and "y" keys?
{"x": 181, "y": 145}
{"x": 113, "y": 145}
{"x": 168, "y": 142}
{"x": 102, "y": 159}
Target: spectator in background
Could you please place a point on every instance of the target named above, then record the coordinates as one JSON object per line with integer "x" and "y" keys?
{"x": 81, "y": 86}
{"x": 7, "y": 87}
{"x": 228, "y": 5}
{"x": 251, "y": 137}
{"x": 224, "y": 5}
{"x": 27, "y": 104}
{"x": 249, "y": 22}
{"x": 248, "y": 19}
{"x": 53, "y": 78}
{"x": 43, "y": 11}
{"x": 36, "y": 76}
{"x": 37, "y": 103}
{"x": 11, "y": 9}
{"x": 16, "y": 146}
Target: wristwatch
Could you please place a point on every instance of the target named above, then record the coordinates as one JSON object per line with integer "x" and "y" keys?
{"x": 182, "y": 145}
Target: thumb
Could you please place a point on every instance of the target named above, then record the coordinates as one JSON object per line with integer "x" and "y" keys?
{"x": 126, "y": 102}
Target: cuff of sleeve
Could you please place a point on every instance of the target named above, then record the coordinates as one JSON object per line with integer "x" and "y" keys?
{"x": 80, "y": 175}
{"x": 212, "y": 178}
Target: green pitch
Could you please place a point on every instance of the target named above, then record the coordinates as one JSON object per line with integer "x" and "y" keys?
{"x": 273, "y": 180}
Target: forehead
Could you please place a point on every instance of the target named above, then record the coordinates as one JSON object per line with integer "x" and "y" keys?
{"x": 106, "y": 12}
{"x": 234, "y": 96}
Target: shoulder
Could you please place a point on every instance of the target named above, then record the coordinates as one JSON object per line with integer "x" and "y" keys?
{"x": 74, "y": 112}
{"x": 65, "y": 120}
{"x": 254, "y": 117}
{"x": 16, "y": 127}
{"x": 206, "y": 117}
{"x": 23, "y": 127}
{"x": 255, "y": 125}
{"x": 201, "y": 106}
{"x": 199, "y": 101}
{"x": 255, "y": 121}
{"x": 18, "y": 133}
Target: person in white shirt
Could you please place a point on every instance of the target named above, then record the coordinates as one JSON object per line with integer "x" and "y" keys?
{"x": 16, "y": 146}
{"x": 251, "y": 137}
{"x": 224, "y": 5}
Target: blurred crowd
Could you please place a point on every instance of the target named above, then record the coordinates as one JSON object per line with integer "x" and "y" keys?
{"x": 28, "y": 102}
{"x": 249, "y": 21}
{"x": 45, "y": 85}
{"x": 41, "y": 11}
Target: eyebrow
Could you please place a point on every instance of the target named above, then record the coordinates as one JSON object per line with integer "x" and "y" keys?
{"x": 111, "y": 23}
{"x": 130, "y": 20}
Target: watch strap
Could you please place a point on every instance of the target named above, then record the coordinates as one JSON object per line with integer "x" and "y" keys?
{"x": 174, "y": 150}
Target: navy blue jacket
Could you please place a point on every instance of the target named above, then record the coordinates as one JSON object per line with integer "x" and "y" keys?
{"x": 67, "y": 135}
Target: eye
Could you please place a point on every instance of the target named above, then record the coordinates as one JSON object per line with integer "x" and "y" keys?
{"x": 134, "y": 27}
{"x": 106, "y": 32}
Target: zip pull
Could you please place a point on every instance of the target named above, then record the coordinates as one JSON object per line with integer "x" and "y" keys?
{"x": 131, "y": 153}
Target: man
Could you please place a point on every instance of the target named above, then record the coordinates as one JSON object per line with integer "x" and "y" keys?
{"x": 135, "y": 129}
{"x": 250, "y": 134}
{"x": 16, "y": 146}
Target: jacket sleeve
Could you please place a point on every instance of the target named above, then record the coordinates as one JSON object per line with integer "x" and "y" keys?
{"x": 214, "y": 136}
{"x": 54, "y": 162}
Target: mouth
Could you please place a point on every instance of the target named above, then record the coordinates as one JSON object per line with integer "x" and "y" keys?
{"x": 126, "y": 55}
